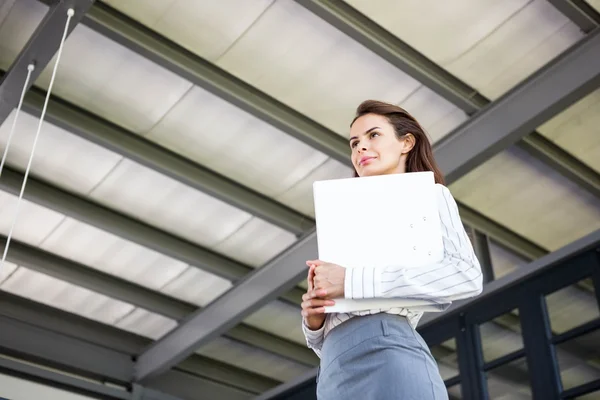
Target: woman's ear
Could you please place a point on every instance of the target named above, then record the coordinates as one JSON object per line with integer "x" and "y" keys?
{"x": 408, "y": 141}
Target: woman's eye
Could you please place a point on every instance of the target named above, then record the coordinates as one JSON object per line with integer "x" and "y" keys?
{"x": 353, "y": 144}
{"x": 373, "y": 134}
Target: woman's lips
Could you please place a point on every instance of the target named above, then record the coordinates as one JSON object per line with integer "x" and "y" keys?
{"x": 365, "y": 160}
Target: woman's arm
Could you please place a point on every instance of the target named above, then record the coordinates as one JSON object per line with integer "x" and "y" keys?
{"x": 456, "y": 276}
{"x": 314, "y": 339}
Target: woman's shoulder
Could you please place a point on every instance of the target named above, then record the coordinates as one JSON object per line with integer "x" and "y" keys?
{"x": 444, "y": 195}
{"x": 442, "y": 189}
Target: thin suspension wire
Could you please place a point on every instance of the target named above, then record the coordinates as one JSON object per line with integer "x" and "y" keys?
{"x": 70, "y": 14}
{"x": 30, "y": 69}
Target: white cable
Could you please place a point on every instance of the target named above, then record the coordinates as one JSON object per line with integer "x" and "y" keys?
{"x": 70, "y": 14}
{"x": 30, "y": 69}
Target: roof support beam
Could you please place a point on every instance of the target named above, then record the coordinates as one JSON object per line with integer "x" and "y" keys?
{"x": 180, "y": 61}
{"x": 347, "y": 19}
{"x": 579, "y": 12}
{"x": 562, "y": 162}
{"x": 350, "y": 21}
{"x": 109, "y": 285}
{"x": 44, "y": 335}
{"x": 256, "y": 290}
{"x": 556, "y": 86}
{"x": 120, "y": 28}
{"x": 97, "y": 130}
{"x": 134, "y": 147}
{"x": 506, "y": 238}
{"x": 490, "y": 131}
{"x": 39, "y": 50}
{"x": 128, "y": 228}
{"x": 107, "y": 19}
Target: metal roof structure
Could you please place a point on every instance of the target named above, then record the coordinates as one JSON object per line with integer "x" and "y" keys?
{"x": 168, "y": 212}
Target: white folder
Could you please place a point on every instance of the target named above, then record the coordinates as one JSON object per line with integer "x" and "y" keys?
{"x": 378, "y": 221}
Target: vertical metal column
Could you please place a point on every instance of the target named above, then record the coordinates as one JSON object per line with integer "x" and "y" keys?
{"x": 541, "y": 357}
{"x": 596, "y": 277}
{"x": 481, "y": 245}
{"x": 470, "y": 362}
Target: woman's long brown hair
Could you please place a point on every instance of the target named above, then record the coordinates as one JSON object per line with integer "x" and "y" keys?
{"x": 420, "y": 158}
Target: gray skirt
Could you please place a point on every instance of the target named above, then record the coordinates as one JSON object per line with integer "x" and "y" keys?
{"x": 378, "y": 357}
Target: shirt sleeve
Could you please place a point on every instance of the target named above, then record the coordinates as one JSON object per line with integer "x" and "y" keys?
{"x": 457, "y": 276}
{"x": 314, "y": 339}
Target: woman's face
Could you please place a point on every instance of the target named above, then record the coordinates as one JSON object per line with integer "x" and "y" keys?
{"x": 376, "y": 150}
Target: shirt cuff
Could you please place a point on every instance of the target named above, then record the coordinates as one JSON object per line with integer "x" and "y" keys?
{"x": 313, "y": 336}
{"x": 360, "y": 283}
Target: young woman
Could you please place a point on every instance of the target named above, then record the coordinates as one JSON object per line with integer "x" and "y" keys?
{"x": 378, "y": 354}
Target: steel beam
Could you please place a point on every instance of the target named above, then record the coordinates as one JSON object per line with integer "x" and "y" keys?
{"x": 120, "y": 28}
{"x": 350, "y": 21}
{"x": 134, "y": 147}
{"x": 117, "y": 288}
{"x": 347, "y": 19}
{"x": 95, "y": 129}
{"x": 102, "y": 132}
{"x": 579, "y": 12}
{"x": 506, "y": 238}
{"x": 30, "y": 321}
{"x": 39, "y": 50}
{"x": 562, "y": 162}
{"x": 182, "y": 62}
{"x": 128, "y": 228}
{"x": 481, "y": 245}
{"x": 256, "y": 290}
{"x": 86, "y": 387}
{"x": 500, "y": 125}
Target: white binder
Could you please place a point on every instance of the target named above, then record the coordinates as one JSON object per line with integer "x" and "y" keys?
{"x": 378, "y": 221}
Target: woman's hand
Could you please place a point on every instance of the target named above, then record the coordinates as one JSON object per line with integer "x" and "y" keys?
{"x": 313, "y": 309}
{"x": 328, "y": 280}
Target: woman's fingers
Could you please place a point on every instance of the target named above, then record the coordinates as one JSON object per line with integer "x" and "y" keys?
{"x": 313, "y": 311}
{"x": 311, "y": 303}
{"x": 311, "y": 276}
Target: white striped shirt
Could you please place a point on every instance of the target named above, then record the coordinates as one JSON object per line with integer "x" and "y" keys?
{"x": 457, "y": 276}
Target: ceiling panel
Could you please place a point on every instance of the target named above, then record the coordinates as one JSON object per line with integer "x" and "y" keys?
{"x": 101, "y": 76}
{"x": 6, "y": 269}
{"x": 65, "y": 296}
{"x": 256, "y": 242}
{"x": 503, "y": 261}
{"x": 492, "y": 44}
{"x": 204, "y": 27}
{"x": 594, "y": 3}
{"x": 106, "y": 252}
{"x": 577, "y": 130}
{"x": 34, "y": 223}
{"x": 220, "y": 136}
{"x": 146, "y": 323}
{"x": 61, "y": 158}
{"x": 527, "y": 197}
{"x": 169, "y": 205}
{"x": 299, "y": 59}
{"x": 18, "y": 21}
{"x": 196, "y": 286}
{"x": 301, "y": 196}
{"x": 279, "y": 318}
{"x": 252, "y": 359}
